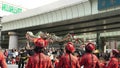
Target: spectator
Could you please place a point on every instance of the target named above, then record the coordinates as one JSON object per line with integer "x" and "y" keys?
{"x": 23, "y": 57}
{"x": 6, "y": 53}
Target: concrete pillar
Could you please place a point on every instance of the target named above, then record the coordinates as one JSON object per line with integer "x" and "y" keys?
{"x": 13, "y": 40}
{"x": 98, "y": 41}
{"x": 105, "y": 49}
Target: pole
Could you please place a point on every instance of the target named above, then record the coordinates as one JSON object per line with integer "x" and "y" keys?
{"x": 0, "y": 30}
{"x": 98, "y": 41}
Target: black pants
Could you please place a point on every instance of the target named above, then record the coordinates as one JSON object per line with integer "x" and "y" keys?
{"x": 21, "y": 63}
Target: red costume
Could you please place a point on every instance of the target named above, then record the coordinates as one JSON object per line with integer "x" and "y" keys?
{"x": 39, "y": 60}
{"x": 102, "y": 65}
{"x": 2, "y": 61}
{"x": 114, "y": 63}
{"x": 68, "y": 60}
{"x": 65, "y": 62}
{"x": 89, "y": 60}
{"x": 56, "y": 63}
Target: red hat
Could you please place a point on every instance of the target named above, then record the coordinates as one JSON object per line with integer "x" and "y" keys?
{"x": 70, "y": 47}
{"x": 90, "y": 47}
{"x": 39, "y": 42}
{"x": 115, "y": 51}
{"x": 46, "y": 42}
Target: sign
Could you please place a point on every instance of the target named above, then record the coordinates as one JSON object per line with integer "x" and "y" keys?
{"x": 105, "y": 4}
{"x": 10, "y": 8}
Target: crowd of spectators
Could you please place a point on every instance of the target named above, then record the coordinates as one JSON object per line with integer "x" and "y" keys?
{"x": 20, "y": 57}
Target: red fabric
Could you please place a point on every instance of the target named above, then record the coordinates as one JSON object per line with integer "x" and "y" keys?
{"x": 17, "y": 58}
{"x": 2, "y": 61}
{"x": 70, "y": 47}
{"x": 90, "y": 46}
{"x": 113, "y": 63}
{"x": 102, "y": 65}
{"x": 79, "y": 59}
{"x": 13, "y": 61}
{"x": 88, "y": 62}
{"x": 56, "y": 63}
{"x": 39, "y": 61}
{"x": 39, "y": 42}
{"x": 46, "y": 43}
{"x": 65, "y": 62}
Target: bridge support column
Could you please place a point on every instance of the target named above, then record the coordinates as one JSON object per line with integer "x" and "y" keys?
{"x": 13, "y": 40}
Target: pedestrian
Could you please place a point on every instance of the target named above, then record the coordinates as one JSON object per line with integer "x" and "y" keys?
{"x": 113, "y": 63}
{"x": 39, "y": 59}
{"x": 68, "y": 60}
{"x": 23, "y": 58}
{"x": 89, "y": 60}
{"x": 6, "y": 55}
{"x": 2, "y": 61}
{"x": 17, "y": 59}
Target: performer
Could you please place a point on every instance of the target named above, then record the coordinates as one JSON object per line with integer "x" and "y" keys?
{"x": 2, "y": 61}
{"x": 89, "y": 60}
{"x": 68, "y": 60}
{"x": 113, "y": 63}
{"x": 39, "y": 59}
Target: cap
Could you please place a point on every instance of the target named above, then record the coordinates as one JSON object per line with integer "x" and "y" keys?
{"x": 39, "y": 42}
{"x": 70, "y": 47}
{"x": 90, "y": 47}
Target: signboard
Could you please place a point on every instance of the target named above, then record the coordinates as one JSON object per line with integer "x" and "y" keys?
{"x": 10, "y": 8}
{"x": 105, "y": 4}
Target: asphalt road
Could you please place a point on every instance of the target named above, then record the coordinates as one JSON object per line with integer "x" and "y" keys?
{"x": 12, "y": 66}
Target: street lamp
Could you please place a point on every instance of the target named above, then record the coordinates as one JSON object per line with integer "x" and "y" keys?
{"x": 0, "y": 30}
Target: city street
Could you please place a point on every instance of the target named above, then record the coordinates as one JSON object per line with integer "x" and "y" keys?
{"x": 60, "y": 33}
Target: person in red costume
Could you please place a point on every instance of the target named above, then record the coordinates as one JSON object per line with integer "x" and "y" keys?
{"x": 39, "y": 59}
{"x": 2, "y": 61}
{"x": 113, "y": 63}
{"x": 68, "y": 60}
{"x": 89, "y": 60}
